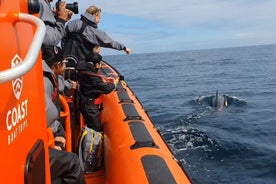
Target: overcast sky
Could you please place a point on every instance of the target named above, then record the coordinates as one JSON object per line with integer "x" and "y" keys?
{"x": 148, "y": 26}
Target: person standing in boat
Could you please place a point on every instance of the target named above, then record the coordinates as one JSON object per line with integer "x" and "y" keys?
{"x": 91, "y": 86}
{"x": 85, "y": 30}
{"x": 54, "y": 21}
{"x": 64, "y": 166}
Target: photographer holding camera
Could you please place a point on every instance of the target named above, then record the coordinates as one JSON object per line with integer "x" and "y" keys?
{"x": 55, "y": 20}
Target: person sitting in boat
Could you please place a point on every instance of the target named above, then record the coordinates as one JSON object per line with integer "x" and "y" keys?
{"x": 91, "y": 86}
{"x": 64, "y": 166}
{"x": 86, "y": 30}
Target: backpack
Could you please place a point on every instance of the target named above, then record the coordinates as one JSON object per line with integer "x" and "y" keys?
{"x": 75, "y": 44}
{"x": 90, "y": 149}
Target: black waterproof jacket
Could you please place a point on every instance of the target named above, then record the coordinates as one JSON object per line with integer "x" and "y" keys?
{"x": 91, "y": 84}
{"x": 83, "y": 34}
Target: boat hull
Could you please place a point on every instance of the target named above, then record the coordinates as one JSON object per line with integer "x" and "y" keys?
{"x": 134, "y": 150}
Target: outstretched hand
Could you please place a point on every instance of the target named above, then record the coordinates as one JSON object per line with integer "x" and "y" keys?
{"x": 128, "y": 51}
{"x": 109, "y": 79}
{"x": 115, "y": 81}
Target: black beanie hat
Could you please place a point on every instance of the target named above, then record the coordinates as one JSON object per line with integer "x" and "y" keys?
{"x": 93, "y": 57}
{"x": 52, "y": 54}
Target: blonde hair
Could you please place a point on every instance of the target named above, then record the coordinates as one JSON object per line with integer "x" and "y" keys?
{"x": 93, "y": 10}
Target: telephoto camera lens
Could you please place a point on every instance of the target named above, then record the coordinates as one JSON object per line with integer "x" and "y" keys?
{"x": 73, "y": 7}
{"x": 70, "y": 6}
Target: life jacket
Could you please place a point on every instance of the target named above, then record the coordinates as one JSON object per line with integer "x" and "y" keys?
{"x": 55, "y": 99}
{"x": 55, "y": 95}
{"x": 98, "y": 101}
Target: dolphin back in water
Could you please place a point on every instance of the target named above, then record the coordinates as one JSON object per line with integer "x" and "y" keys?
{"x": 218, "y": 102}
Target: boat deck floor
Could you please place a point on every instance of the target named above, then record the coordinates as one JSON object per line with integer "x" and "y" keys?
{"x": 97, "y": 177}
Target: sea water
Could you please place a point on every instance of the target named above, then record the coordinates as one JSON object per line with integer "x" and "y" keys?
{"x": 234, "y": 145}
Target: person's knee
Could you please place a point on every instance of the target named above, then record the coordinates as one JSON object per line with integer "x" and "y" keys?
{"x": 75, "y": 160}
{"x": 75, "y": 172}
{"x": 75, "y": 157}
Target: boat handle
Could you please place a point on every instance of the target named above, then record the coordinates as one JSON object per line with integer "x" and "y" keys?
{"x": 32, "y": 54}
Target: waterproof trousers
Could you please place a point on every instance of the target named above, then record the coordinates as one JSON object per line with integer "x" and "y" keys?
{"x": 65, "y": 168}
{"x": 91, "y": 114}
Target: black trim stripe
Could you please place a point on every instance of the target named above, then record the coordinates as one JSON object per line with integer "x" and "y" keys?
{"x": 157, "y": 170}
{"x": 130, "y": 112}
{"x": 140, "y": 135}
{"x": 123, "y": 97}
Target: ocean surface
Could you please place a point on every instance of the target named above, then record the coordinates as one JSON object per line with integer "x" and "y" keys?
{"x": 234, "y": 145}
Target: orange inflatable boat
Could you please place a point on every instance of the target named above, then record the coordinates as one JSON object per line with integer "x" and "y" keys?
{"x": 134, "y": 151}
{"x": 24, "y": 153}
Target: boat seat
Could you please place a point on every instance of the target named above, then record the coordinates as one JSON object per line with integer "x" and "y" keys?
{"x": 131, "y": 112}
{"x": 123, "y": 97}
{"x": 120, "y": 87}
{"x": 141, "y": 135}
{"x": 157, "y": 170}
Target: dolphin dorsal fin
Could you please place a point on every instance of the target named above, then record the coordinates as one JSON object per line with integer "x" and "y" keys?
{"x": 217, "y": 98}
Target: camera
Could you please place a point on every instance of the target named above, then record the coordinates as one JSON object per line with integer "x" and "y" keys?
{"x": 70, "y": 6}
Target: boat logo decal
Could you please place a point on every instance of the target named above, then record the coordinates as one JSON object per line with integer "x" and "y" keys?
{"x": 17, "y": 84}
